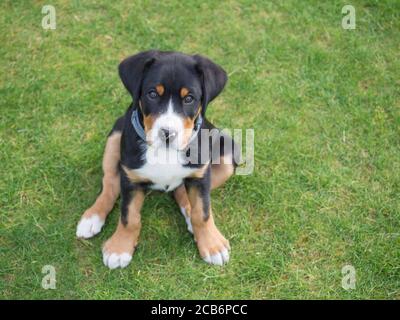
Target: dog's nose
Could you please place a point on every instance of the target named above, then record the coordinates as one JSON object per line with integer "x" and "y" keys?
{"x": 167, "y": 134}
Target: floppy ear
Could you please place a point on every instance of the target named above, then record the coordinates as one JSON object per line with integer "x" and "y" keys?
{"x": 132, "y": 69}
{"x": 214, "y": 79}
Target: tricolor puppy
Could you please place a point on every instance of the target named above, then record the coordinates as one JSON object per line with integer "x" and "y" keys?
{"x": 157, "y": 145}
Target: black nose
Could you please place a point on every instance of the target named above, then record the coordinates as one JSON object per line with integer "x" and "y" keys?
{"x": 166, "y": 134}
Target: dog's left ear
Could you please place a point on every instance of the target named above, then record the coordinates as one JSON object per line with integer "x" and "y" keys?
{"x": 214, "y": 79}
{"x": 132, "y": 69}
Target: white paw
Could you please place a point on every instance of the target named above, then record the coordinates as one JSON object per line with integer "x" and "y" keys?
{"x": 88, "y": 227}
{"x": 187, "y": 218}
{"x": 115, "y": 260}
{"x": 219, "y": 258}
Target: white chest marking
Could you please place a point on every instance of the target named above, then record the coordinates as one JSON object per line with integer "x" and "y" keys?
{"x": 164, "y": 168}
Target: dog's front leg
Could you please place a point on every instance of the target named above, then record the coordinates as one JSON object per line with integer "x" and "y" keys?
{"x": 212, "y": 245}
{"x": 118, "y": 250}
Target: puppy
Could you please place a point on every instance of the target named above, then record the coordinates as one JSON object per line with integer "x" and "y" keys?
{"x": 157, "y": 145}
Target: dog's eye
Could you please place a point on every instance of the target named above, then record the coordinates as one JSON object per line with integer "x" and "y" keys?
{"x": 188, "y": 99}
{"x": 152, "y": 94}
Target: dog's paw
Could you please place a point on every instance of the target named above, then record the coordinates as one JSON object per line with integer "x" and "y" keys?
{"x": 219, "y": 258}
{"x": 187, "y": 219}
{"x": 89, "y": 227}
{"x": 118, "y": 251}
{"x": 213, "y": 247}
{"x": 115, "y": 260}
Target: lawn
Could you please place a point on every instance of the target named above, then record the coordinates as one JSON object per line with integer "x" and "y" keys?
{"x": 324, "y": 103}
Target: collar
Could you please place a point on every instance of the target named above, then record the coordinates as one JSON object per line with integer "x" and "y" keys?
{"x": 140, "y": 131}
{"x": 137, "y": 125}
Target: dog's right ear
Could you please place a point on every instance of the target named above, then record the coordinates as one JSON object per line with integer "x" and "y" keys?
{"x": 132, "y": 69}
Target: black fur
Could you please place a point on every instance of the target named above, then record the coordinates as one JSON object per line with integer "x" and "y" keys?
{"x": 144, "y": 70}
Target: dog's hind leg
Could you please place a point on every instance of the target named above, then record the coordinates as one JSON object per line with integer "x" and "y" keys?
{"x": 93, "y": 219}
{"x": 221, "y": 172}
{"x": 182, "y": 200}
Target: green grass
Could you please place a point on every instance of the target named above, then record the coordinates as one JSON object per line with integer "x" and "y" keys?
{"x": 324, "y": 104}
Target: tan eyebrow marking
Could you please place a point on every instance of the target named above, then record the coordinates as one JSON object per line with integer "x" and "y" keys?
{"x": 184, "y": 92}
{"x": 160, "y": 89}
